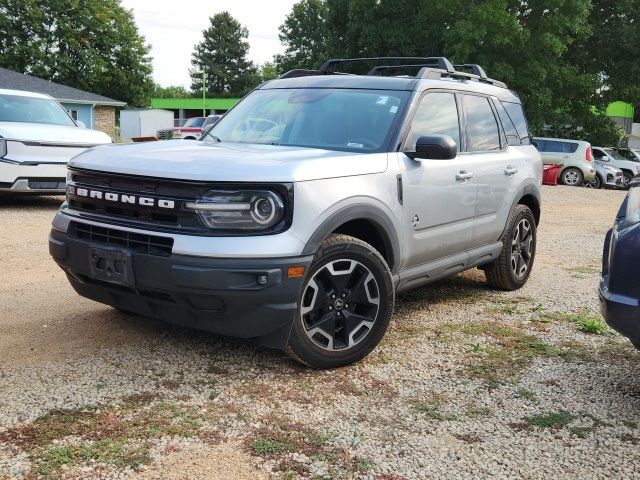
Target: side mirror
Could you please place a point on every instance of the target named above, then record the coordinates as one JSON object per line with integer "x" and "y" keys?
{"x": 80, "y": 124}
{"x": 435, "y": 147}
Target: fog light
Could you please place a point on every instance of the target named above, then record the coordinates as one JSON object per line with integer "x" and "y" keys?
{"x": 262, "y": 279}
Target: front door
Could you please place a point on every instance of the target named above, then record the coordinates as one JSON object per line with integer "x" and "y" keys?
{"x": 439, "y": 196}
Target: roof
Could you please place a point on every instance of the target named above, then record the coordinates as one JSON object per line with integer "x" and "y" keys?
{"x": 19, "y": 81}
{"x": 368, "y": 82}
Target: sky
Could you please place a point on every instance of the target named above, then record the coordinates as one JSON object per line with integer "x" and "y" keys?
{"x": 173, "y": 28}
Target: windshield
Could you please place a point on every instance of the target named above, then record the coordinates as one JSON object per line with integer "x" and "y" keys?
{"x": 614, "y": 154}
{"x": 19, "y": 108}
{"x": 334, "y": 119}
{"x": 194, "y": 122}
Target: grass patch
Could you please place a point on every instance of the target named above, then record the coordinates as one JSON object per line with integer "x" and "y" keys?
{"x": 265, "y": 447}
{"x": 510, "y": 350}
{"x": 581, "y": 432}
{"x": 585, "y": 320}
{"x": 526, "y": 394}
{"x": 550, "y": 420}
{"x": 116, "y": 453}
{"x": 103, "y": 433}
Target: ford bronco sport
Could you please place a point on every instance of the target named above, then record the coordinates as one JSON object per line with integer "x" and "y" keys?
{"x": 298, "y": 217}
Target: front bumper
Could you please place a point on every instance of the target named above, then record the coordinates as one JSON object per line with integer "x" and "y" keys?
{"x": 612, "y": 180}
{"x": 37, "y": 178}
{"x": 220, "y": 295}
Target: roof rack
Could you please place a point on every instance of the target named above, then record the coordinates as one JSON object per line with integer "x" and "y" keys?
{"x": 330, "y": 65}
{"x": 428, "y": 68}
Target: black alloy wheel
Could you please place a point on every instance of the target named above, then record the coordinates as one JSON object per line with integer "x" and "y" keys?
{"x": 345, "y": 305}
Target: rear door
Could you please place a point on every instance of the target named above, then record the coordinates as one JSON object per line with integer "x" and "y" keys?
{"x": 439, "y": 196}
{"x": 494, "y": 166}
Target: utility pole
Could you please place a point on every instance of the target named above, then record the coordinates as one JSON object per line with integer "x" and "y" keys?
{"x": 204, "y": 91}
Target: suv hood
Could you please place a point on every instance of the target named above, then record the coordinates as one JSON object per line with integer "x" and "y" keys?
{"x": 42, "y": 132}
{"x": 196, "y": 160}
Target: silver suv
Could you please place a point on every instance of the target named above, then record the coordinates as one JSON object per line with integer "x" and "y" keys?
{"x": 299, "y": 216}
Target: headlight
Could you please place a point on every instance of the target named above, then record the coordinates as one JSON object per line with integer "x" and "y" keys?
{"x": 239, "y": 209}
{"x": 3, "y": 147}
{"x": 633, "y": 205}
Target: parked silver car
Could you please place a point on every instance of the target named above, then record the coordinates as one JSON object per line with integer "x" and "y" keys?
{"x": 607, "y": 176}
{"x": 298, "y": 217}
{"x": 574, "y": 155}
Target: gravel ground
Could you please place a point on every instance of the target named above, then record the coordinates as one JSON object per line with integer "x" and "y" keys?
{"x": 468, "y": 383}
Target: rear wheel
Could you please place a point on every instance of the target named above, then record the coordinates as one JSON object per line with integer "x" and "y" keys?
{"x": 572, "y": 177}
{"x": 345, "y": 305}
{"x": 511, "y": 270}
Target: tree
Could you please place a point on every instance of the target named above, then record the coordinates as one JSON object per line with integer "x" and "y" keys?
{"x": 268, "y": 71}
{"x": 552, "y": 52}
{"x": 173, "y": 91}
{"x": 304, "y": 33}
{"x": 222, "y": 54}
{"x": 93, "y": 45}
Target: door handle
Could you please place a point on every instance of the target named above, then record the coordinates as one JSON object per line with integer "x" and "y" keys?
{"x": 510, "y": 170}
{"x": 464, "y": 175}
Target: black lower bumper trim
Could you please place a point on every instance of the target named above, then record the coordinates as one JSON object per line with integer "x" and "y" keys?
{"x": 249, "y": 298}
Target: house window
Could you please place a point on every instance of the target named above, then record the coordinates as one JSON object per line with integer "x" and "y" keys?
{"x": 73, "y": 113}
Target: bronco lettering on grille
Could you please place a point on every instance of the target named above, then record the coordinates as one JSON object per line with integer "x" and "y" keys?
{"x": 121, "y": 197}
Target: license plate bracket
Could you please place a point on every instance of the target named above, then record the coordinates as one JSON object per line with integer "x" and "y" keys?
{"x": 111, "y": 265}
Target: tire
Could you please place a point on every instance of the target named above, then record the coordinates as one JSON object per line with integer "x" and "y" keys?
{"x": 626, "y": 178}
{"x": 595, "y": 183}
{"x": 345, "y": 304}
{"x": 506, "y": 272}
{"x": 572, "y": 177}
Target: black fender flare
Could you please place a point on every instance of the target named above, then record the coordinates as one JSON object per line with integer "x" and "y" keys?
{"x": 528, "y": 189}
{"x": 359, "y": 211}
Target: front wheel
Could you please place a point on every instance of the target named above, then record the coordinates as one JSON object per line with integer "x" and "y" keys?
{"x": 511, "y": 270}
{"x": 595, "y": 183}
{"x": 626, "y": 178}
{"x": 572, "y": 177}
{"x": 345, "y": 305}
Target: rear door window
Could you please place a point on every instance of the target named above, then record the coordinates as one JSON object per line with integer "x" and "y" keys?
{"x": 482, "y": 128}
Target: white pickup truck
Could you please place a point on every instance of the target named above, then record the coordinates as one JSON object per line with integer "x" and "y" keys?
{"x": 37, "y": 139}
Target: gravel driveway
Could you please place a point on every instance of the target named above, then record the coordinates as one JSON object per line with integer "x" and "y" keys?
{"x": 469, "y": 382}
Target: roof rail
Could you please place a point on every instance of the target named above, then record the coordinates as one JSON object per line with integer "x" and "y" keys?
{"x": 330, "y": 65}
{"x": 475, "y": 69}
{"x": 299, "y": 72}
{"x": 436, "y": 73}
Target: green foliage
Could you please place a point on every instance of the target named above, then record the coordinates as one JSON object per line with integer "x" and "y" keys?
{"x": 567, "y": 59}
{"x": 268, "y": 71}
{"x": 92, "y": 45}
{"x": 304, "y": 32}
{"x": 172, "y": 91}
{"x": 222, "y": 54}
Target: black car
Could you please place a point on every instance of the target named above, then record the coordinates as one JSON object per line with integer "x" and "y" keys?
{"x": 620, "y": 284}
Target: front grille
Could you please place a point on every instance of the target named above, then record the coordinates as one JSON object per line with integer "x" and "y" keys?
{"x": 135, "y": 242}
{"x": 158, "y": 204}
{"x": 177, "y": 219}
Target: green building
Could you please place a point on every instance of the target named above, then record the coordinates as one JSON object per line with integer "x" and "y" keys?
{"x": 184, "y": 108}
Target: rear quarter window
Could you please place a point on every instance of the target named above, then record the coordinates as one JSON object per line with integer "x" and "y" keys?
{"x": 516, "y": 114}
